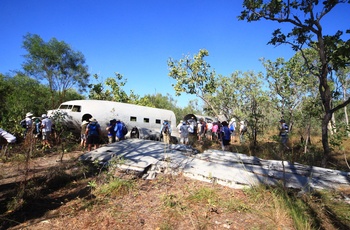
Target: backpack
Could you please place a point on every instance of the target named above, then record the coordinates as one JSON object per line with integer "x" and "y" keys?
{"x": 124, "y": 129}
{"x": 23, "y": 124}
{"x": 244, "y": 129}
{"x": 93, "y": 129}
{"x": 165, "y": 129}
{"x": 232, "y": 128}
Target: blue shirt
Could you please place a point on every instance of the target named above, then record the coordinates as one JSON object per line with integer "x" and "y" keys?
{"x": 227, "y": 133}
{"x": 119, "y": 130}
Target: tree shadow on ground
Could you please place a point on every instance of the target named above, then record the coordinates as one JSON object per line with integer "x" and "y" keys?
{"x": 33, "y": 198}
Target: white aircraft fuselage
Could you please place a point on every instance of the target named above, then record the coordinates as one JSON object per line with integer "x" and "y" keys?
{"x": 147, "y": 120}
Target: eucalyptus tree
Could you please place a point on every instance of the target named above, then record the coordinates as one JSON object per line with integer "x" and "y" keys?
{"x": 251, "y": 99}
{"x": 55, "y": 63}
{"x": 224, "y": 99}
{"x": 193, "y": 76}
{"x": 289, "y": 81}
{"x": 306, "y": 17}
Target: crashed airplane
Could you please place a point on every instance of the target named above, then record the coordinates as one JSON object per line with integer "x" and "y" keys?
{"x": 144, "y": 121}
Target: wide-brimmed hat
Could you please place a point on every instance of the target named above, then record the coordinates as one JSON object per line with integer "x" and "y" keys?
{"x": 233, "y": 119}
{"x": 93, "y": 119}
{"x": 282, "y": 120}
{"x": 44, "y": 116}
{"x": 242, "y": 122}
{"x": 29, "y": 114}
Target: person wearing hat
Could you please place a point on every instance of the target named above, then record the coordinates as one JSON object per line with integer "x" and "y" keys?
{"x": 27, "y": 123}
{"x": 46, "y": 128}
{"x": 284, "y": 133}
{"x": 93, "y": 132}
{"x": 165, "y": 131}
{"x": 82, "y": 134}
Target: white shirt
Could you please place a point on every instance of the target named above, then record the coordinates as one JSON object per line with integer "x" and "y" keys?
{"x": 47, "y": 125}
{"x": 29, "y": 122}
{"x": 210, "y": 126}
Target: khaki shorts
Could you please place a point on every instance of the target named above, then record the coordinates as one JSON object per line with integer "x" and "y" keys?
{"x": 46, "y": 135}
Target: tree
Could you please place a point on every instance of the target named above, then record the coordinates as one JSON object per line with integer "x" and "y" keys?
{"x": 114, "y": 90}
{"x": 98, "y": 91}
{"x": 117, "y": 84}
{"x": 305, "y": 17}
{"x": 250, "y": 99}
{"x": 225, "y": 97}
{"x": 193, "y": 76}
{"x": 55, "y": 63}
{"x": 21, "y": 94}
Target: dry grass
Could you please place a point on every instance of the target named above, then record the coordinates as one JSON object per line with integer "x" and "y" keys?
{"x": 172, "y": 203}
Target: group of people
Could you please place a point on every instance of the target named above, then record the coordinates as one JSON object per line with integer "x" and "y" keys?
{"x": 223, "y": 132}
{"x": 91, "y": 132}
{"x": 40, "y": 127}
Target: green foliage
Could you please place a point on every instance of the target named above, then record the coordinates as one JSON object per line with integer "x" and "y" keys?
{"x": 193, "y": 76}
{"x": 113, "y": 92}
{"x": 340, "y": 135}
{"x": 57, "y": 64}
{"x": 20, "y": 94}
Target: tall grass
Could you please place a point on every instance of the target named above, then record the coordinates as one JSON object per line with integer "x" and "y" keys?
{"x": 281, "y": 205}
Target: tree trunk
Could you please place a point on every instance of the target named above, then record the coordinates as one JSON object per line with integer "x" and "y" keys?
{"x": 326, "y": 149}
{"x": 307, "y": 140}
{"x": 346, "y": 112}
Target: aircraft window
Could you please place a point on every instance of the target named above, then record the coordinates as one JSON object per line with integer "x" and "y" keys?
{"x": 157, "y": 121}
{"x": 146, "y": 120}
{"x": 76, "y": 108}
{"x": 133, "y": 119}
{"x": 63, "y": 107}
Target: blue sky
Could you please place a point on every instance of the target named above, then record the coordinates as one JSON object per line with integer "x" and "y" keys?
{"x": 136, "y": 38}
